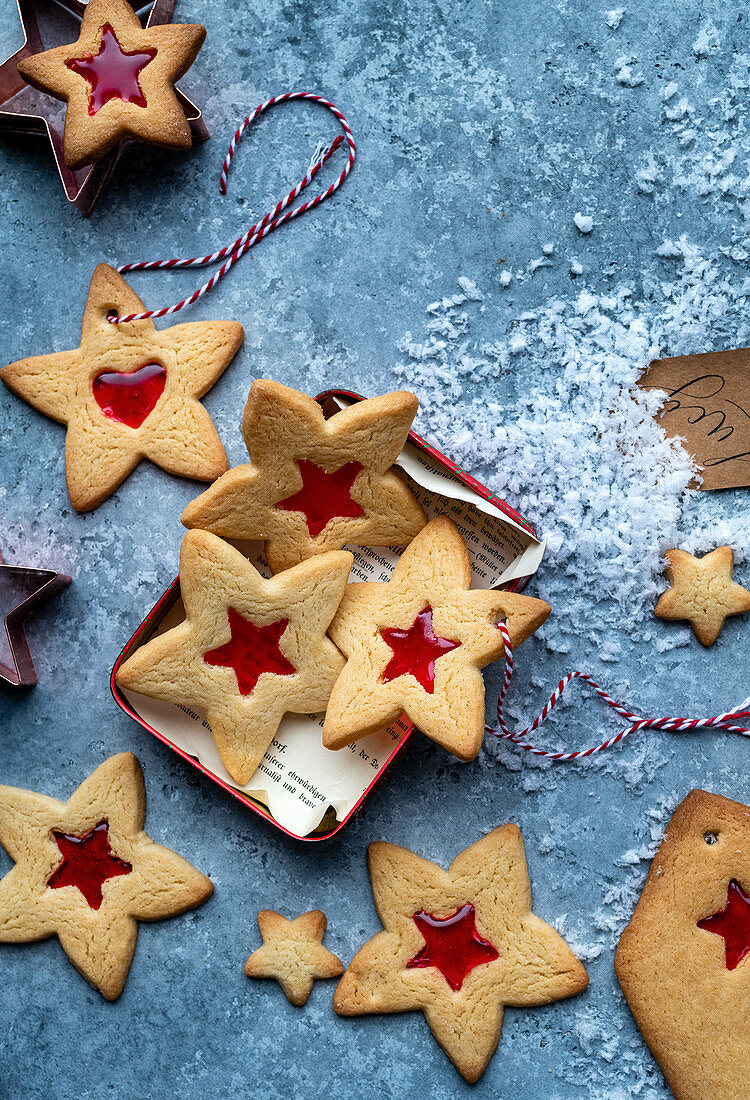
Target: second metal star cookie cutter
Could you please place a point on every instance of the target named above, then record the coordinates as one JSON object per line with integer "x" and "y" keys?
{"x": 35, "y": 587}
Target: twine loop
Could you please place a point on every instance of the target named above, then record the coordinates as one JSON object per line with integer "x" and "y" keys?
{"x": 676, "y": 725}
{"x": 280, "y": 215}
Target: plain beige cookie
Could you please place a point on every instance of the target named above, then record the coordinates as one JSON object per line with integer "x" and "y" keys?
{"x": 250, "y": 649}
{"x": 78, "y": 387}
{"x": 293, "y": 953}
{"x": 425, "y": 612}
{"x": 689, "y": 994}
{"x": 703, "y": 592}
{"x": 96, "y": 839}
{"x": 458, "y": 945}
{"x": 313, "y": 484}
{"x": 114, "y": 54}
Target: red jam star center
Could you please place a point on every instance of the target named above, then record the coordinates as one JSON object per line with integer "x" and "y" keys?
{"x": 452, "y": 945}
{"x": 733, "y": 923}
{"x": 416, "y": 650}
{"x": 88, "y": 861}
{"x": 323, "y": 496}
{"x": 251, "y": 651}
{"x": 112, "y": 73}
{"x": 130, "y": 398}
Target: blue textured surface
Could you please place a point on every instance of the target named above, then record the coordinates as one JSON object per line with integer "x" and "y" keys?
{"x": 483, "y": 129}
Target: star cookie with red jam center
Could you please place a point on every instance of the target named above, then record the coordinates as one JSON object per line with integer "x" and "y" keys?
{"x": 416, "y": 643}
{"x": 293, "y": 953}
{"x": 86, "y": 872}
{"x": 684, "y": 960}
{"x": 703, "y": 592}
{"x": 250, "y": 649}
{"x": 313, "y": 484}
{"x": 118, "y": 81}
{"x": 458, "y": 945}
{"x": 130, "y": 391}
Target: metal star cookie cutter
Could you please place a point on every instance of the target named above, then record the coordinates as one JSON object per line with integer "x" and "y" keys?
{"x": 31, "y": 587}
{"x": 24, "y": 110}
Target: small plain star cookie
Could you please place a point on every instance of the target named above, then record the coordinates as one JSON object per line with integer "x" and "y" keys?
{"x": 702, "y": 591}
{"x": 86, "y": 872}
{"x": 458, "y": 945}
{"x": 416, "y": 643}
{"x": 293, "y": 953}
{"x": 250, "y": 649}
{"x": 118, "y": 81}
{"x": 313, "y": 484}
{"x": 130, "y": 391}
{"x": 683, "y": 962}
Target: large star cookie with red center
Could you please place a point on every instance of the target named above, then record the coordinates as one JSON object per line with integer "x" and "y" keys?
{"x": 250, "y": 649}
{"x": 684, "y": 960}
{"x": 314, "y": 484}
{"x": 459, "y": 945}
{"x": 129, "y": 392}
{"x": 86, "y": 872}
{"x": 416, "y": 644}
{"x": 118, "y": 81}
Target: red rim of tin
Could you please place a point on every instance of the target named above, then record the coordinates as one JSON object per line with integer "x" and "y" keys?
{"x": 169, "y": 597}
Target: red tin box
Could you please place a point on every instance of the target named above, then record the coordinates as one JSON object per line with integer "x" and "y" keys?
{"x": 330, "y": 824}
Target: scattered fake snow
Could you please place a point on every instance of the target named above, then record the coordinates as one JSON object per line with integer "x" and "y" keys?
{"x": 707, "y": 40}
{"x": 624, "y": 72}
{"x": 614, "y": 18}
{"x": 711, "y": 145}
{"x": 584, "y": 222}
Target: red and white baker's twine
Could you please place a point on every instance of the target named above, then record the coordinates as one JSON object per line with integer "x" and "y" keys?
{"x": 270, "y": 221}
{"x": 720, "y": 721}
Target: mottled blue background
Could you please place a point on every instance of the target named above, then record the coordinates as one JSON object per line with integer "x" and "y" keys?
{"x": 483, "y": 128}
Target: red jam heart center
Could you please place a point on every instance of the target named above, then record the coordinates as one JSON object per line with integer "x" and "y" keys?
{"x": 323, "y": 496}
{"x": 733, "y": 923}
{"x": 129, "y": 398}
{"x": 452, "y": 945}
{"x": 88, "y": 861}
{"x": 112, "y": 73}
{"x": 416, "y": 650}
{"x": 251, "y": 651}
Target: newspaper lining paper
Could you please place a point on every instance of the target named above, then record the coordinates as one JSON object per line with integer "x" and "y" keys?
{"x": 298, "y": 779}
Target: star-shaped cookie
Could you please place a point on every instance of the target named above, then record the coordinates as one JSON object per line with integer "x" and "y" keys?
{"x": 459, "y": 945}
{"x": 703, "y": 592}
{"x": 250, "y": 649}
{"x": 684, "y": 960}
{"x": 314, "y": 484}
{"x": 129, "y": 392}
{"x": 24, "y": 110}
{"x": 118, "y": 81}
{"x": 293, "y": 953}
{"x": 416, "y": 644}
{"x": 86, "y": 872}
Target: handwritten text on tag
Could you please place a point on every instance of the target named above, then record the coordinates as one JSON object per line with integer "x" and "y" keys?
{"x": 708, "y": 405}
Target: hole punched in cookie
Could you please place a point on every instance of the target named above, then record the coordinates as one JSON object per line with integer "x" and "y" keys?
{"x": 711, "y": 837}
